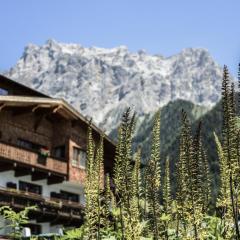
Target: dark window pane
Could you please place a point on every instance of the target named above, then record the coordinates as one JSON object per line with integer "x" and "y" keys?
{"x": 3, "y": 92}
{"x": 59, "y": 152}
{"x": 79, "y": 157}
{"x": 83, "y": 158}
{"x": 29, "y": 145}
{"x": 30, "y": 187}
{"x": 35, "y": 228}
{"x": 73, "y": 197}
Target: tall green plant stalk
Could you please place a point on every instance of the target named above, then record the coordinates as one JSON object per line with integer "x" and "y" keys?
{"x": 100, "y": 186}
{"x": 167, "y": 198}
{"x": 94, "y": 187}
{"x": 137, "y": 179}
{"x": 124, "y": 178}
{"x": 153, "y": 179}
{"x": 230, "y": 148}
{"x": 189, "y": 190}
{"x": 203, "y": 170}
{"x": 91, "y": 190}
{"x": 107, "y": 204}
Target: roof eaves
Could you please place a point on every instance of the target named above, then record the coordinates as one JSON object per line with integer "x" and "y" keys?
{"x": 55, "y": 101}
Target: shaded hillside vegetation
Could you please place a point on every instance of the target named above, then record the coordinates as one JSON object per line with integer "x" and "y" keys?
{"x": 171, "y": 128}
{"x": 170, "y": 133}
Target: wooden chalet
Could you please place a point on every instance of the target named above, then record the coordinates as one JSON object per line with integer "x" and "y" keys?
{"x": 43, "y": 156}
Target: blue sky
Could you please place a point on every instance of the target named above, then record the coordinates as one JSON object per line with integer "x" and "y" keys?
{"x": 158, "y": 26}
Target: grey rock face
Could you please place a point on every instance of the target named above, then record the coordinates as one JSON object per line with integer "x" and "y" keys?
{"x": 102, "y": 82}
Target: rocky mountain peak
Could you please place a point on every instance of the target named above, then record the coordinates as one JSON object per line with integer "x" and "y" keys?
{"x": 102, "y": 82}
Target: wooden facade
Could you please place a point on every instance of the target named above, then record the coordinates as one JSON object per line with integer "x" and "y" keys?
{"x": 44, "y": 138}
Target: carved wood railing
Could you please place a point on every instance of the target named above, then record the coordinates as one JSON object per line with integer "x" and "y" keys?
{"x": 21, "y": 199}
{"x": 33, "y": 159}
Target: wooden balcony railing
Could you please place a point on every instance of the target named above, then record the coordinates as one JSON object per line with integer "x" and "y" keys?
{"x": 31, "y": 158}
{"x": 45, "y": 205}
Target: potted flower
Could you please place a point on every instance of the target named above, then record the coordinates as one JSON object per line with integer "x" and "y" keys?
{"x": 44, "y": 152}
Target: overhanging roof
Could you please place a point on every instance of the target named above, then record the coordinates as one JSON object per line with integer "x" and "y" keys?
{"x": 18, "y": 88}
{"x": 58, "y": 105}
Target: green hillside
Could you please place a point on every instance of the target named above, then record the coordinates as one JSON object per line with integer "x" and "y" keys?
{"x": 170, "y": 126}
{"x": 170, "y": 129}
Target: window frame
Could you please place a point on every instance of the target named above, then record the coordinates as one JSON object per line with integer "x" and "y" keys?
{"x": 4, "y": 92}
{"x": 78, "y": 162}
{"x": 21, "y": 183}
{"x": 59, "y": 149}
{"x": 65, "y": 195}
{"x": 29, "y": 145}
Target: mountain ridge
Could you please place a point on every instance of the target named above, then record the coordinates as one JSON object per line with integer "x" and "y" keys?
{"x": 101, "y": 82}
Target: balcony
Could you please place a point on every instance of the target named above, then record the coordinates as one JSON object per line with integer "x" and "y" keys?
{"x": 17, "y": 155}
{"x": 52, "y": 210}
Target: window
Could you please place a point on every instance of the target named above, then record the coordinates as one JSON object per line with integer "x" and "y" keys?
{"x": 79, "y": 157}
{"x": 3, "y": 92}
{"x": 11, "y": 185}
{"x": 29, "y": 145}
{"x": 55, "y": 195}
{"x": 24, "y": 144}
{"x": 73, "y": 197}
{"x": 35, "y": 228}
{"x": 59, "y": 152}
{"x": 30, "y": 187}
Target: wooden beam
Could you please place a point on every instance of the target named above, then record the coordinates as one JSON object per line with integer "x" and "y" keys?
{"x": 53, "y": 179}
{"x": 19, "y": 172}
{"x": 41, "y": 106}
{"x": 57, "y": 108}
{"x": 2, "y": 106}
{"x": 36, "y": 176}
{"x": 6, "y": 167}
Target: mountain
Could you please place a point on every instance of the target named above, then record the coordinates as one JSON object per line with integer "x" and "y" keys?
{"x": 101, "y": 83}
